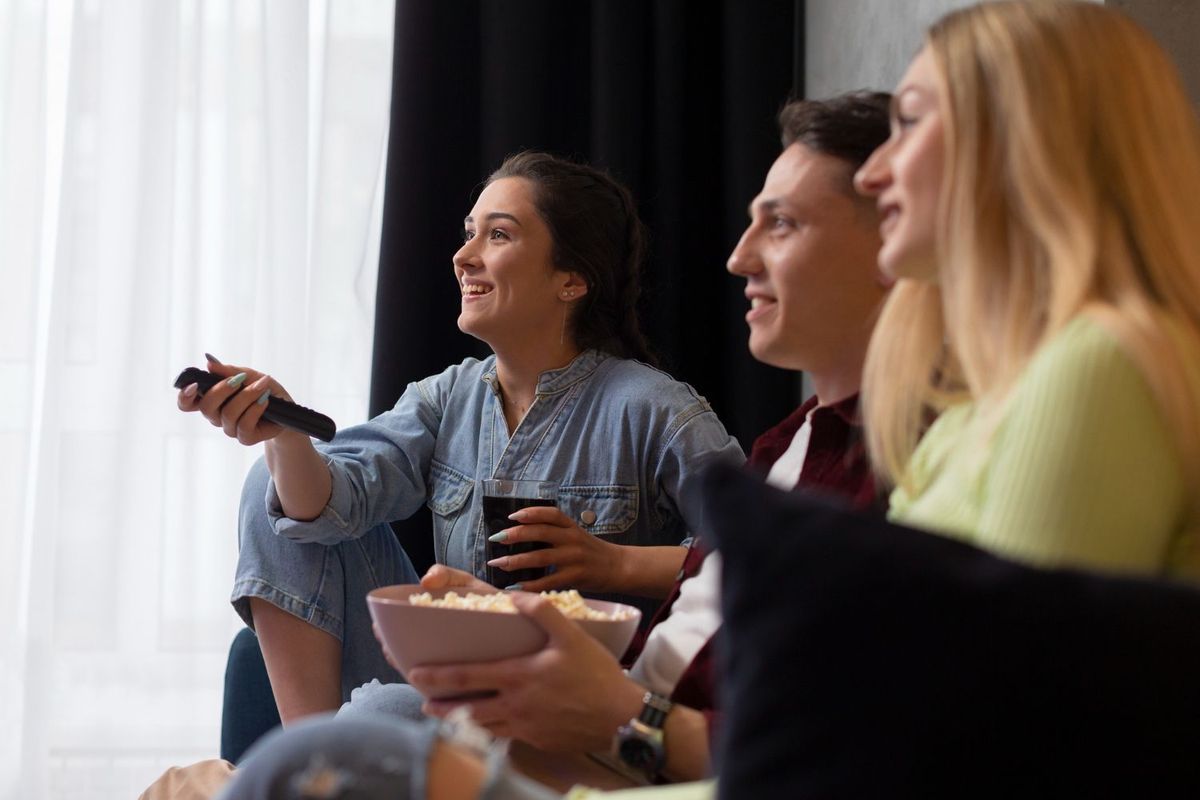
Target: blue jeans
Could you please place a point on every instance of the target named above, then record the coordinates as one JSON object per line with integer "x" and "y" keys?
{"x": 392, "y": 700}
{"x": 324, "y": 585}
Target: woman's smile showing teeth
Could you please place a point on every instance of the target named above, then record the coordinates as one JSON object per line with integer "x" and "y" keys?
{"x": 471, "y": 291}
{"x": 889, "y": 215}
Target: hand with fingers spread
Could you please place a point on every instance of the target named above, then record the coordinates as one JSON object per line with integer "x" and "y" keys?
{"x": 571, "y": 695}
{"x": 585, "y": 561}
{"x": 580, "y": 560}
{"x": 236, "y": 405}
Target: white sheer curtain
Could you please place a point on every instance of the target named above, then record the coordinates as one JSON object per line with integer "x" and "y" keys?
{"x": 175, "y": 176}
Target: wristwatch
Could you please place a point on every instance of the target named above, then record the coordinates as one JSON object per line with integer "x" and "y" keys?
{"x": 639, "y": 743}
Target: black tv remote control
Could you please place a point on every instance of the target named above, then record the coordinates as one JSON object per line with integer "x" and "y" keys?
{"x": 280, "y": 411}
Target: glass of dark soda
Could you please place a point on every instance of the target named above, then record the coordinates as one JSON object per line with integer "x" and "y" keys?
{"x": 504, "y": 497}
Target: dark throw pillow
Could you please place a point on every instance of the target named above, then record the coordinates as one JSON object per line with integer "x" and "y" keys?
{"x": 863, "y": 659}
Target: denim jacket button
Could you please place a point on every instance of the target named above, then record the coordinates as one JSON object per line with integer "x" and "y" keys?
{"x": 587, "y": 517}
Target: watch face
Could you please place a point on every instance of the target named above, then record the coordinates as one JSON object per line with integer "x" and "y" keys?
{"x": 638, "y": 753}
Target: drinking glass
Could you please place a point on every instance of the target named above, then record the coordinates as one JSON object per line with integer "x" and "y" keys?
{"x": 504, "y": 497}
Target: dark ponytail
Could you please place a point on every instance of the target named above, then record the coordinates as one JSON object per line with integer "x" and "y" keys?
{"x": 594, "y": 224}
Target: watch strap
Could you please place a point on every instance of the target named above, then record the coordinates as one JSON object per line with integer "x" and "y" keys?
{"x": 655, "y": 708}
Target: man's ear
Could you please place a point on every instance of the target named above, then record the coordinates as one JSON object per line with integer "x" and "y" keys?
{"x": 573, "y": 288}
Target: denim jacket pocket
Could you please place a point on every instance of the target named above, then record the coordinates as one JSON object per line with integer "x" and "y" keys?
{"x": 449, "y": 496}
{"x": 448, "y": 489}
{"x": 600, "y": 510}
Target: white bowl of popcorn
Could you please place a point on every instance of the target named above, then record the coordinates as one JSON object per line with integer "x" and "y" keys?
{"x": 456, "y": 626}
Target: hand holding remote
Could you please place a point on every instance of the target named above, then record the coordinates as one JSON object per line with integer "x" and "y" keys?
{"x": 248, "y": 405}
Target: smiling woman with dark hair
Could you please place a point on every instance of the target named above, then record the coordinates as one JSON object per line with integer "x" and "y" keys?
{"x": 549, "y": 271}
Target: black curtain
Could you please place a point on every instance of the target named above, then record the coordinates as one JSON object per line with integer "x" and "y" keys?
{"x": 677, "y": 98}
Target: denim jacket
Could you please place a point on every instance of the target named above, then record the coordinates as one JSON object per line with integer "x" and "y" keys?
{"x": 623, "y": 440}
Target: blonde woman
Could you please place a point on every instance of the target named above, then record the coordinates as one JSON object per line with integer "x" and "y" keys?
{"x": 1039, "y": 201}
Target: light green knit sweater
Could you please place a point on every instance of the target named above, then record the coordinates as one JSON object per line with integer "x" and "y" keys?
{"x": 1081, "y": 469}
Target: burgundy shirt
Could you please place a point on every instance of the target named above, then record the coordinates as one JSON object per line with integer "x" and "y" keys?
{"x": 836, "y": 462}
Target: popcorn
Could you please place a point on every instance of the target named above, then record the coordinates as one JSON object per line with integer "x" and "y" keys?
{"x": 569, "y": 602}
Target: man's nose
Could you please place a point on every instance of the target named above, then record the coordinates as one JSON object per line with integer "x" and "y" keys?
{"x": 744, "y": 260}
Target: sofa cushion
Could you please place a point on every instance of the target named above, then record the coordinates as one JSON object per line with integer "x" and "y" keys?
{"x": 866, "y": 659}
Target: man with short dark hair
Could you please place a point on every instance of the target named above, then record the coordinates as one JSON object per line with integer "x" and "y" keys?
{"x": 809, "y": 260}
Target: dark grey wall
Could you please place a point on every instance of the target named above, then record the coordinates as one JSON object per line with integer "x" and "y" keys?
{"x": 864, "y": 44}
{"x": 853, "y": 44}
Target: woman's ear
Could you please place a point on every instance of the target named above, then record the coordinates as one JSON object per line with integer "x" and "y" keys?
{"x": 573, "y": 288}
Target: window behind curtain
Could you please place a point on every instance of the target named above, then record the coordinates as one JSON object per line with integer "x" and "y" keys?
{"x": 176, "y": 176}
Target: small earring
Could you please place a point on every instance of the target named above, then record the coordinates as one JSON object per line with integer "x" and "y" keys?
{"x": 568, "y": 294}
